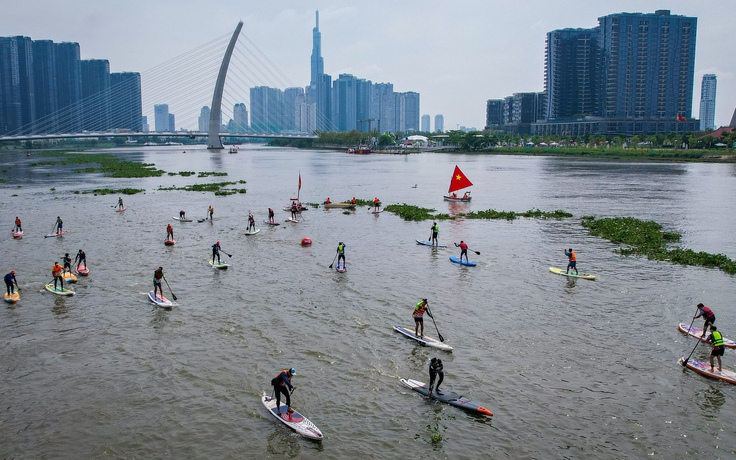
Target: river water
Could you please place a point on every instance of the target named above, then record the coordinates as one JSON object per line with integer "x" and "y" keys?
{"x": 570, "y": 369}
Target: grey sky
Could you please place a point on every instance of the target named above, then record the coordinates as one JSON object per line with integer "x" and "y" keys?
{"x": 455, "y": 54}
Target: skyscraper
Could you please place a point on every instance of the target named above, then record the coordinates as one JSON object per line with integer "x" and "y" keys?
{"x": 266, "y": 109}
{"x": 494, "y": 113}
{"x": 570, "y": 72}
{"x": 383, "y": 107}
{"x": 68, "y": 86}
{"x": 318, "y": 65}
{"x": 291, "y": 96}
{"x": 161, "y": 117}
{"x": 203, "y": 121}
{"x": 240, "y": 118}
{"x": 95, "y": 94}
{"x": 439, "y": 123}
{"x": 125, "y": 101}
{"x": 9, "y": 86}
{"x": 425, "y": 123}
{"x": 344, "y": 102}
{"x": 172, "y": 122}
{"x": 411, "y": 111}
{"x": 708, "y": 102}
{"x": 44, "y": 81}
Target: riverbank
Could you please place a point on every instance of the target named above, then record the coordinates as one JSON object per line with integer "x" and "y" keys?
{"x": 705, "y": 156}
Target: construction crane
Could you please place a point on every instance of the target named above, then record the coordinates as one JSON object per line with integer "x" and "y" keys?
{"x": 367, "y": 120}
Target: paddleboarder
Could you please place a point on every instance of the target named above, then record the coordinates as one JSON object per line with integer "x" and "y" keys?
{"x": 327, "y": 201}
{"x": 120, "y": 203}
{"x": 158, "y": 275}
{"x": 182, "y": 214}
{"x": 56, "y": 271}
{"x": 572, "y": 261}
{"x": 376, "y": 203}
{"x": 59, "y": 224}
{"x": 18, "y": 227}
{"x": 10, "y": 281}
{"x": 419, "y": 317}
{"x": 210, "y": 211}
{"x": 67, "y": 262}
{"x": 353, "y": 201}
{"x": 216, "y": 252}
{"x": 294, "y": 210}
{"x": 270, "y": 216}
{"x": 435, "y": 232}
{"x": 463, "y": 250}
{"x": 709, "y": 316}
{"x": 436, "y": 368}
{"x": 80, "y": 258}
{"x": 169, "y": 232}
{"x": 716, "y": 339}
{"x": 341, "y": 254}
{"x": 280, "y": 384}
{"x": 251, "y": 222}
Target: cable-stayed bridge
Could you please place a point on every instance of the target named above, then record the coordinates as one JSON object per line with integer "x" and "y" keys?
{"x": 213, "y": 82}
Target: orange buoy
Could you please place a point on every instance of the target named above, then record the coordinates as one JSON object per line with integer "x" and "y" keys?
{"x": 306, "y": 241}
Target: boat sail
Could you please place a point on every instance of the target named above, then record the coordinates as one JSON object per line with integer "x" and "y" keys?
{"x": 298, "y": 201}
{"x": 458, "y": 182}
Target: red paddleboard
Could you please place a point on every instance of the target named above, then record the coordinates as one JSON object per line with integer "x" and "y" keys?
{"x": 120, "y": 210}
{"x": 18, "y": 235}
{"x": 169, "y": 242}
{"x": 83, "y": 271}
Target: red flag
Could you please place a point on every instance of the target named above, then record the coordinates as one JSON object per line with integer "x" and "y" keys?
{"x": 680, "y": 117}
{"x": 300, "y": 182}
{"x": 458, "y": 181}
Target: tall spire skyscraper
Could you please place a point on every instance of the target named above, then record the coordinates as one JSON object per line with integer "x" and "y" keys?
{"x": 318, "y": 65}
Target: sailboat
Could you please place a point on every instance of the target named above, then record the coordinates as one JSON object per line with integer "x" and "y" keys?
{"x": 299, "y": 206}
{"x": 458, "y": 182}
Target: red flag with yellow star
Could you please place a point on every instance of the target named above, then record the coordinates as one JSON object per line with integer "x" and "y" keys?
{"x": 458, "y": 181}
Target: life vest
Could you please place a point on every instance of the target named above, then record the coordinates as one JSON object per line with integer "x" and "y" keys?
{"x": 341, "y": 249}
{"x": 277, "y": 379}
{"x": 464, "y": 246}
{"x": 717, "y": 339}
{"x": 573, "y": 258}
{"x": 420, "y": 309}
{"x": 707, "y": 313}
{"x": 17, "y": 222}
{"x": 56, "y": 270}
{"x": 158, "y": 275}
{"x": 435, "y": 228}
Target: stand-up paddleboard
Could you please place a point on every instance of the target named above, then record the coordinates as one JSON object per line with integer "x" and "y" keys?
{"x": 429, "y": 243}
{"x": 271, "y": 222}
{"x": 17, "y": 235}
{"x": 120, "y": 210}
{"x": 697, "y": 332}
{"x": 340, "y": 268}
{"x": 54, "y": 234}
{"x": 424, "y": 340}
{"x": 377, "y": 212}
{"x": 69, "y": 277}
{"x": 207, "y": 218}
{"x": 462, "y": 262}
{"x": 703, "y": 368}
{"x": 182, "y": 220}
{"x": 83, "y": 271}
{"x": 252, "y": 232}
{"x": 220, "y": 264}
{"x": 169, "y": 241}
{"x": 58, "y": 291}
{"x": 559, "y": 271}
{"x": 159, "y": 300}
{"x": 12, "y": 298}
{"x": 296, "y": 421}
{"x": 448, "y": 397}
{"x": 292, "y": 220}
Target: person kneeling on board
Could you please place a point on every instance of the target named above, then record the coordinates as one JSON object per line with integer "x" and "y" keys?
{"x": 709, "y": 316}
{"x": 280, "y": 384}
{"x": 419, "y": 317}
{"x": 716, "y": 339}
{"x": 182, "y": 214}
{"x": 436, "y": 368}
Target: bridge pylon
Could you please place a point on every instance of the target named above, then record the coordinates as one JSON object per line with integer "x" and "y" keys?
{"x": 213, "y": 138}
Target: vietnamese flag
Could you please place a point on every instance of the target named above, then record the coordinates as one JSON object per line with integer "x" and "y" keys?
{"x": 458, "y": 181}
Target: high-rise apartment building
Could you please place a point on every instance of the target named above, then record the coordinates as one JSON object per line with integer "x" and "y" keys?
{"x": 44, "y": 81}
{"x": 494, "y": 113}
{"x": 425, "y": 123}
{"x": 68, "y": 86}
{"x": 9, "y": 86}
{"x": 203, "y": 122}
{"x": 708, "y": 102}
{"x": 383, "y": 107}
{"x": 240, "y": 118}
{"x": 266, "y": 110}
{"x": 439, "y": 123}
{"x": 290, "y": 103}
{"x": 570, "y": 73}
{"x": 344, "y": 102}
{"x": 410, "y": 112}
{"x": 125, "y": 101}
{"x": 95, "y": 94}
{"x": 161, "y": 118}
{"x": 172, "y": 122}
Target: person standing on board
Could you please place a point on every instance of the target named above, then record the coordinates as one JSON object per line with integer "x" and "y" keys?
{"x": 80, "y": 258}
{"x": 716, "y": 339}
{"x": 463, "y": 250}
{"x": 341, "y": 254}
{"x": 376, "y": 203}
{"x": 169, "y": 232}
{"x": 419, "y": 317}
{"x": 18, "y": 227}
{"x": 158, "y": 275}
{"x": 435, "y": 232}
{"x": 282, "y": 384}
{"x": 56, "y": 271}
{"x": 270, "y": 216}
{"x": 294, "y": 210}
{"x": 709, "y": 316}
{"x": 251, "y": 222}
{"x": 120, "y": 203}
{"x": 572, "y": 263}
{"x": 436, "y": 368}
{"x": 10, "y": 281}
{"x": 59, "y": 224}
{"x": 67, "y": 262}
{"x": 182, "y": 214}
{"x": 216, "y": 252}
{"x": 210, "y": 211}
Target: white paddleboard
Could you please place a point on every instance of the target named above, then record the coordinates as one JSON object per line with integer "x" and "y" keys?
{"x": 252, "y": 232}
{"x": 295, "y": 420}
{"x": 160, "y": 301}
{"x": 222, "y": 265}
{"x": 424, "y": 340}
{"x": 182, "y": 220}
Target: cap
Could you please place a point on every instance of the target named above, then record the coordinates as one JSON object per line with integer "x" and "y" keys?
{"x": 292, "y": 371}
{"x": 218, "y": 242}
{"x": 424, "y": 300}
{"x": 12, "y": 272}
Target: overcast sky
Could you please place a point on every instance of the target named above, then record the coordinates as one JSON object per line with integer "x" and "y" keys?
{"x": 456, "y": 54}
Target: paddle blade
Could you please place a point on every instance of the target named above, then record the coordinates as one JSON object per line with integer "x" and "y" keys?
{"x": 442, "y": 339}
{"x": 331, "y": 265}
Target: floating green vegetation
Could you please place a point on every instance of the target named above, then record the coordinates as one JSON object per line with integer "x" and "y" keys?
{"x": 109, "y": 165}
{"x": 313, "y": 205}
{"x": 360, "y": 202}
{"x": 217, "y": 187}
{"x": 115, "y": 191}
{"x": 647, "y": 238}
{"x": 211, "y": 173}
{"x": 410, "y": 212}
{"x": 183, "y": 173}
{"x": 347, "y": 212}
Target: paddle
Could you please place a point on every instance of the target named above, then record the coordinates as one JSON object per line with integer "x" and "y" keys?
{"x": 691, "y": 322}
{"x": 333, "y": 261}
{"x": 684, "y": 363}
{"x": 477, "y": 252}
{"x": 173, "y": 296}
{"x": 442, "y": 339}
{"x": 229, "y": 255}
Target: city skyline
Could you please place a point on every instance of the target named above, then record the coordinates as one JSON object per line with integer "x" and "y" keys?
{"x": 496, "y": 51}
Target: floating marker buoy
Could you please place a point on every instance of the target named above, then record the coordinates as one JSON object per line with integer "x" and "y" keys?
{"x": 306, "y": 241}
